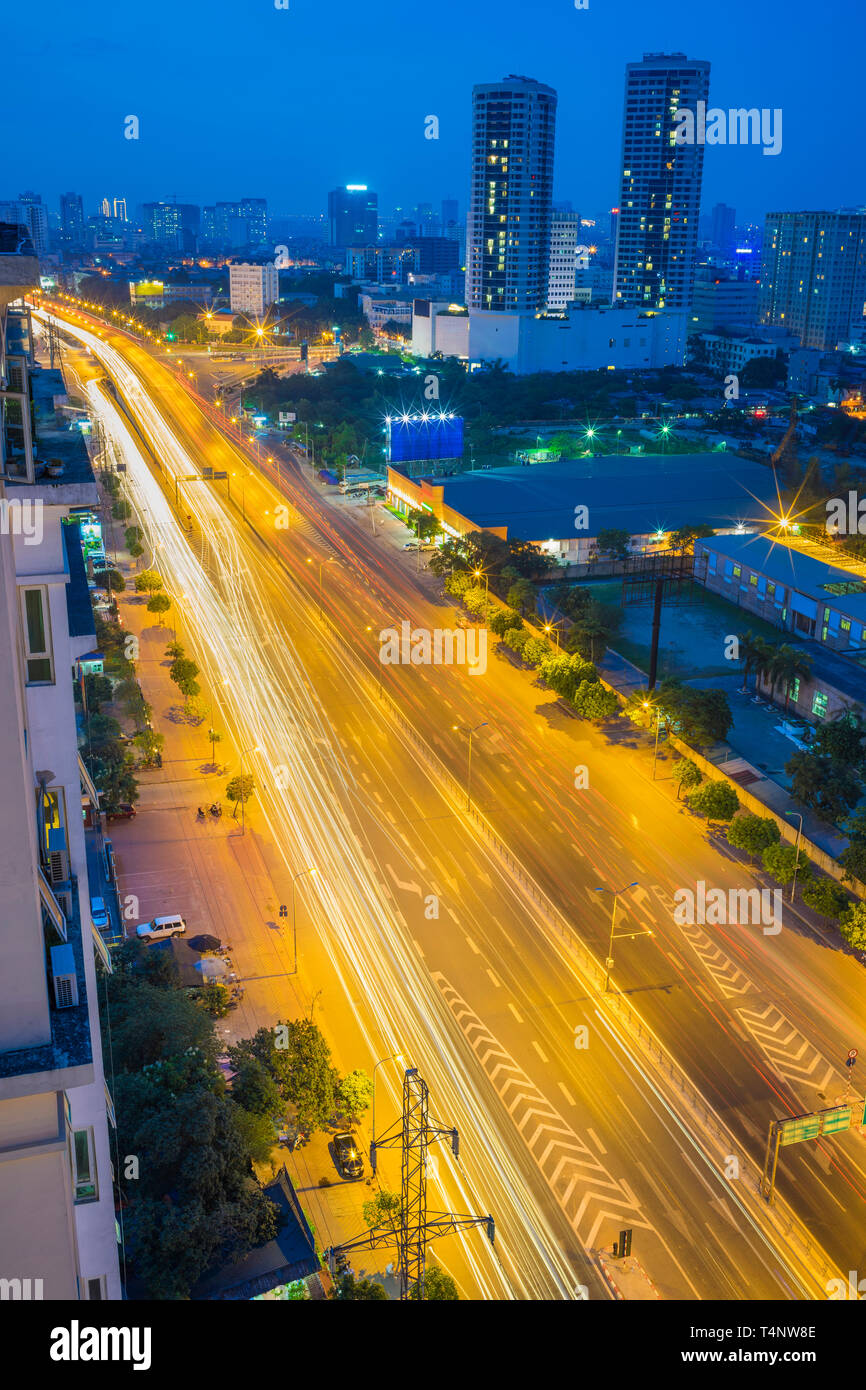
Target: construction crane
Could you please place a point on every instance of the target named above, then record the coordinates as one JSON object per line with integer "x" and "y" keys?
{"x": 416, "y": 1226}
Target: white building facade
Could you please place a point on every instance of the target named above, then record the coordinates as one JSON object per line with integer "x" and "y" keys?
{"x": 253, "y": 288}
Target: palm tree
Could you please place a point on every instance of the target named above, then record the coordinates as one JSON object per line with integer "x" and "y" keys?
{"x": 787, "y": 665}
{"x": 752, "y": 650}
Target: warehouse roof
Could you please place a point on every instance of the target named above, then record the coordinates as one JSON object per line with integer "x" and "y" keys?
{"x": 837, "y": 588}
{"x": 637, "y": 493}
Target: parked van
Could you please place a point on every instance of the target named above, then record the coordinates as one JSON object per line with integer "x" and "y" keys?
{"x": 161, "y": 928}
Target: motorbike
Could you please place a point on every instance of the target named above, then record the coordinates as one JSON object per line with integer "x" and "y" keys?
{"x": 216, "y": 810}
{"x": 199, "y": 815}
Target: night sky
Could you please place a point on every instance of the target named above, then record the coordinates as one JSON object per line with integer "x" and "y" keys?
{"x": 243, "y": 99}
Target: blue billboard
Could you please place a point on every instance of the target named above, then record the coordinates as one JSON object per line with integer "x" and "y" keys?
{"x": 424, "y": 436}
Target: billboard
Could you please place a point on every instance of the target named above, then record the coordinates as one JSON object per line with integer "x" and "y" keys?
{"x": 420, "y": 438}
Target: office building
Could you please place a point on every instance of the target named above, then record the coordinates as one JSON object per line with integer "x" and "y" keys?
{"x": 174, "y": 226}
{"x": 57, "y": 1199}
{"x": 252, "y": 288}
{"x": 719, "y": 303}
{"x": 120, "y": 210}
{"x": 510, "y": 208}
{"x": 71, "y": 219}
{"x": 723, "y": 229}
{"x": 353, "y": 216}
{"x": 660, "y": 190}
{"x": 254, "y": 211}
{"x": 382, "y": 265}
{"x": 813, "y": 279}
{"x": 437, "y": 255}
{"x": 565, "y": 237}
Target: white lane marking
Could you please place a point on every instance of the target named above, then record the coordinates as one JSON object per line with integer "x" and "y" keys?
{"x": 595, "y": 1139}
{"x": 494, "y": 980}
{"x": 471, "y": 944}
{"x": 539, "y": 1049}
{"x": 570, "y": 1098}
{"x": 513, "y": 1008}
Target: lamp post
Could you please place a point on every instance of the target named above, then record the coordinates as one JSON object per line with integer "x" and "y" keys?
{"x": 608, "y": 964}
{"x": 331, "y": 560}
{"x": 392, "y": 1057}
{"x": 469, "y": 762}
{"x": 480, "y": 574}
{"x": 799, "y": 816}
{"x": 302, "y": 874}
{"x": 552, "y": 627}
{"x": 243, "y": 754}
{"x": 658, "y": 715}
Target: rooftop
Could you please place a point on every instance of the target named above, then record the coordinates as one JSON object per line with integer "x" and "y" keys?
{"x": 641, "y": 494}
{"x": 79, "y": 610}
{"x": 792, "y": 568}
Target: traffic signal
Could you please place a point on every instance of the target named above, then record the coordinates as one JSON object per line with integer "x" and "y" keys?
{"x": 305, "y": 351}
{"x": 624, "y": 1246}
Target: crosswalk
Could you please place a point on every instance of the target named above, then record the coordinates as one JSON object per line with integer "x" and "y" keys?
{"x": 596, "y": 1205}
{"x": 790, "y": 1055}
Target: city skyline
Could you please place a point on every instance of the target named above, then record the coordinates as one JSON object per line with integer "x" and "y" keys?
{"x": 294, "y": 161}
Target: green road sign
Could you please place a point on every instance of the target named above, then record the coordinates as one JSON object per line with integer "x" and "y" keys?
{"x": 812, "y": 1126}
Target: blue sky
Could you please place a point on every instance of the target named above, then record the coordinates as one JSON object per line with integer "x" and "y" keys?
{"x": 243, "y": 98}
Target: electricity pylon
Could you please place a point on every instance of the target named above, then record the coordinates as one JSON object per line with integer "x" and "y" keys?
{"x": 413, "y": 1133}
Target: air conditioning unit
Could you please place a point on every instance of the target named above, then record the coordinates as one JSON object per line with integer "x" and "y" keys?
{"x": 64, "y": 977}
{"x": 58, "y": 857}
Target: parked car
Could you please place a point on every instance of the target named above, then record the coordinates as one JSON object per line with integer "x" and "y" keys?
{"x": 99, "y": 914}
{"x": 123, "y": 811}
{"x": 349, "y": 1160}
{"x": 161, "y": 928}
{"x": 410, "y": 545}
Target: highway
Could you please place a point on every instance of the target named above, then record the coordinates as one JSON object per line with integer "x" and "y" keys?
{"x": 566, "y": 1146}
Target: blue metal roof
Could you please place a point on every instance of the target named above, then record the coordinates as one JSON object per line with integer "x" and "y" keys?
{"x": 782, "y": 565}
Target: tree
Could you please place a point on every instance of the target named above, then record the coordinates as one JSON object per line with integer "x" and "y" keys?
{"x": 438, "y": 1286}
{"x": 159, "y": 604}
{"x": 564, "y": 674}
{"x": 753, "y": 833}
{"x": 255, "y": 1089}
{"x": 824, "y": 785}
{"x": 150, "y": 742}
{"x": 240, "y": 789}
{"x": 355, "y": 1093}
{"x": 183, "y": 672}
{"x": 98, "y": 689}
{"x": 383, "y": 1210}
{"x": 214, "y": 998}
{"x": 686, "y": 774}
{"x": 715, "y": 800}
{"x": 593, "y": 701}
{"x": 299, "y": 1060}
{"x": 535, "y": 651}
{"x": 787, "y": 665}
{"x": 853, "y": 861}
{"x": 780, "y": 862}
{"x": 503, "y": 620}
{"x": 112, "y": 580}
{"x": 521, "y": 596}
{"x": 841, "y": 739}
{"x": 148, "y": 582}
{"x": 366, "y": 1290}
{"x": 852, "y": 925}
{"x": 825, "y": 896}
{"x": 175, "y": 649}
{"x": 517, "y": 639}
{"x": 121, "y": 510}
{"x": 613, "y": 541}
{"x": 685, "y": 536}
{"x": 701, "y": 717}
{"x": 257, "y": 1133}
{"x": 755, "y": 654}
{"x": 214, "y": 738}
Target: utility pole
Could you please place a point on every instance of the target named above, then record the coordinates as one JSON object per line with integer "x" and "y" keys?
{"x": 413, "y": 1133}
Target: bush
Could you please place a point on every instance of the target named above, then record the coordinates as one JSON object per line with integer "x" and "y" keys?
{"x": 504, "y": 620}
{"x": 214, "y": 998}
{"x": 592, "y": 701}
{"x": 852, "y": 925}
{"x": 715, "y": 800}
{"x": 825, "y": 896}
{"x": 779, "y": 861}
{"x": 564, "y": 673}
{"x": 535, "y": 651}
{"x": 753, "y": 834}
{"x": 477, "y": 602}
{"x": 457, "y": 583}
{"x": 516, "y": 638}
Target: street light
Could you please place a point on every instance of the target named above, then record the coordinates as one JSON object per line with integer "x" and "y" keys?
{"x": 658, "y": 715}
{"x": 469, "y": 764}
{"x": 552, "y": 627}
{"x": 392, "y": 1057}
{"x": 331, "y": 560}
{"x": 243, "y": 754}
{"x": 608, "y": 964}
{"x": 480, "y": 574}
{"x": 797, "y": 850}
{"x": 302, "y": 874}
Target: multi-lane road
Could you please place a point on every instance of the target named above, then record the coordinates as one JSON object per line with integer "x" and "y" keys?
{"x": 440, "y": 950}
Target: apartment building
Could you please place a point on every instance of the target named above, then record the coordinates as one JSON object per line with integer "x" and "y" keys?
{"x": 56, "y": 1179}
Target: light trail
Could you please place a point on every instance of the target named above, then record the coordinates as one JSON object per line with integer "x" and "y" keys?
{"x": 310, "y": 801}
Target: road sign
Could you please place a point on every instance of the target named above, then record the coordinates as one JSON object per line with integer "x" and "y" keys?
{"x": 852, "y": 1057}
{"x": 832, "y": 1121}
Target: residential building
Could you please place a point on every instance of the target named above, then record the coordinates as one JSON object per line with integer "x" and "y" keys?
{"x": 561, "y": 507}
{"x": 353, "y": 216}
{"x": 255, "y": 212}
{"x": 382, "y": 265}
{"x": 71, "y": 220}
{"x": 723, "y": 229}
{"x": 813, "y": 278}
{"x": 56, "y": 1178}
{"x": 827, "y": 377}
{"x": 510, "y": 207}
{"x": 379, "y": 310}
{"x": 721, "y": 303}
{"x": 565, "y": 238}
{"x": 729, "y": 353}
{"x": 660, "y": 190}
{"x": 252, "y": 288}
{"x": 437, "y": 255}
{"x": 28, "y": 211}
{"x": 119, "y": 207}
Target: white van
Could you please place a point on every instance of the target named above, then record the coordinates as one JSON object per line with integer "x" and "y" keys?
{"x": 161, "y": 928}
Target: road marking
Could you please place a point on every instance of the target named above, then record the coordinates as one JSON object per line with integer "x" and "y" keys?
{"x": 513, "y": 1009}
{"x": 569, "y": 1097}
{"x": 496, "y": 982}
{"x": 417, "y": 947}
{"x": 539, "y": 1049}
{"x": 471, "y": 944}
{"x": 595, "y": 1139}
